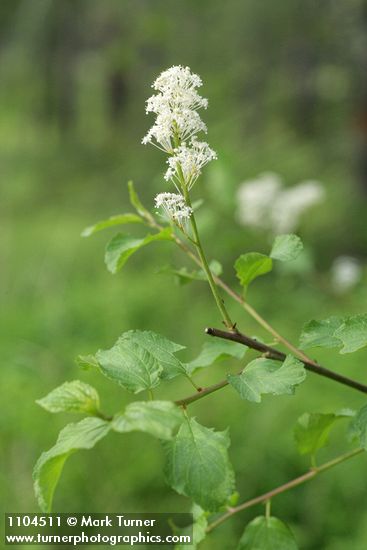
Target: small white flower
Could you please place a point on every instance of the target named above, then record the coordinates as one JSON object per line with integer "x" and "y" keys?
{"x": 346, "y": 272}
{"x": 189, "y": 161}
{"x": 175, "y": 207}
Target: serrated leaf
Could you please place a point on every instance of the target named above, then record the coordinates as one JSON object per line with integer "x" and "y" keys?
{"x": 161, "y": 348}
{"x": 252, "y": 265}
{"x": 140, "y": 359}
{"x": 358, "y": 427}
{"x": 352, "y": 333}
{"x": 83, "y": 435}
{"x": 120, "y": 219}
{"x": 198, "y": 465}
{"x": 267, "y": 534}
{"x": 87, "y": 362}
{"x": 158, "y": 418}
{"x": 75, "y": 396}
{"x": 135, "y": 201}
{"x": 268, "y": 376}
{"x": 349, "y": 332}
{"x": 286, "y": 248}
{"x": 312, "y": 430}
{"x": 320, "y": 333}
{"x": 198, "y": 529}
{"x": 122, "y": 246}
{"x": 214, "y": 350}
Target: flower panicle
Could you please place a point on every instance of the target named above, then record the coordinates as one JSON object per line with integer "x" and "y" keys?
{"x": 177, "y": 125}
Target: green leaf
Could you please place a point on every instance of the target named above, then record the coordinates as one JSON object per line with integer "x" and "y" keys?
{"x": 320, "y": 333}
{"x": 158, "y": 418}
{"x": 135, "y": 201}
{"x": 358, "y": 427}
{"x": 140, "y": 359}
{"x": 198, "y": 529}
{"x": 198, "y": 465}
{"x": 268, "y": 376}
{"x": 267, "y": 534}
{"x": 312, "y": 430}
{"x": 214, "y": 350}
{"x": 75, "y": 396}
{"x": 184, "y": 276}
{"x": 87, "y": 362}
{"x": 252, "y": 265}
{"x": 353, "y": 333}
{"x": 120, "y": 219}
{"x": 161, "y": 348}
{"x": 121, "y": 247}
{"x": 83, "y": 435}
{"x": 286, "y": 248}
{"x": 350, "y": 332}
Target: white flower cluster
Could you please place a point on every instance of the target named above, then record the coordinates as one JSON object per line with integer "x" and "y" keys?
{"x": 266, "y": 204}
{"x": 189, "y": 161}
{"x": 346, "y": 272}
{"x": 174, "y": 207}
{"x": 177, "y": 123}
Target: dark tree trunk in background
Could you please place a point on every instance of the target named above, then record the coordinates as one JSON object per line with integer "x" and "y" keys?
{"x": 117, "y": 94}
{"x": 60, "y": 46}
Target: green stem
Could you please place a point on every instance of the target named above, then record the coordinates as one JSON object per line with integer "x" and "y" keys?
{"x": 219, "y": 301}
{"x": 192, "y": 382}
{"x": 283, "y": 488}
{"x": 201, "y": 392}
{"x": 268, "y": 508}
{"x": 103, "y": 416}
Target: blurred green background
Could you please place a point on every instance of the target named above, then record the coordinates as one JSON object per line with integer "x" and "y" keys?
{"x": 287, "y": 92}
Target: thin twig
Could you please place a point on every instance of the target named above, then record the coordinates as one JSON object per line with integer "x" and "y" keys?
{"x": 202, "y": 392}
{"x": 277, "y": 355}
{"x": 271, "y": 353}
{"x": 283, "y": 488}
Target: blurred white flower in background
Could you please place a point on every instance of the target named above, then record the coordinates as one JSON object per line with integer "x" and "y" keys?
{"x": 346, "y": 272}
{"x": 291, "y": 203}
{"x": 256, "y": 199}
{"x": 265, "y": 203}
